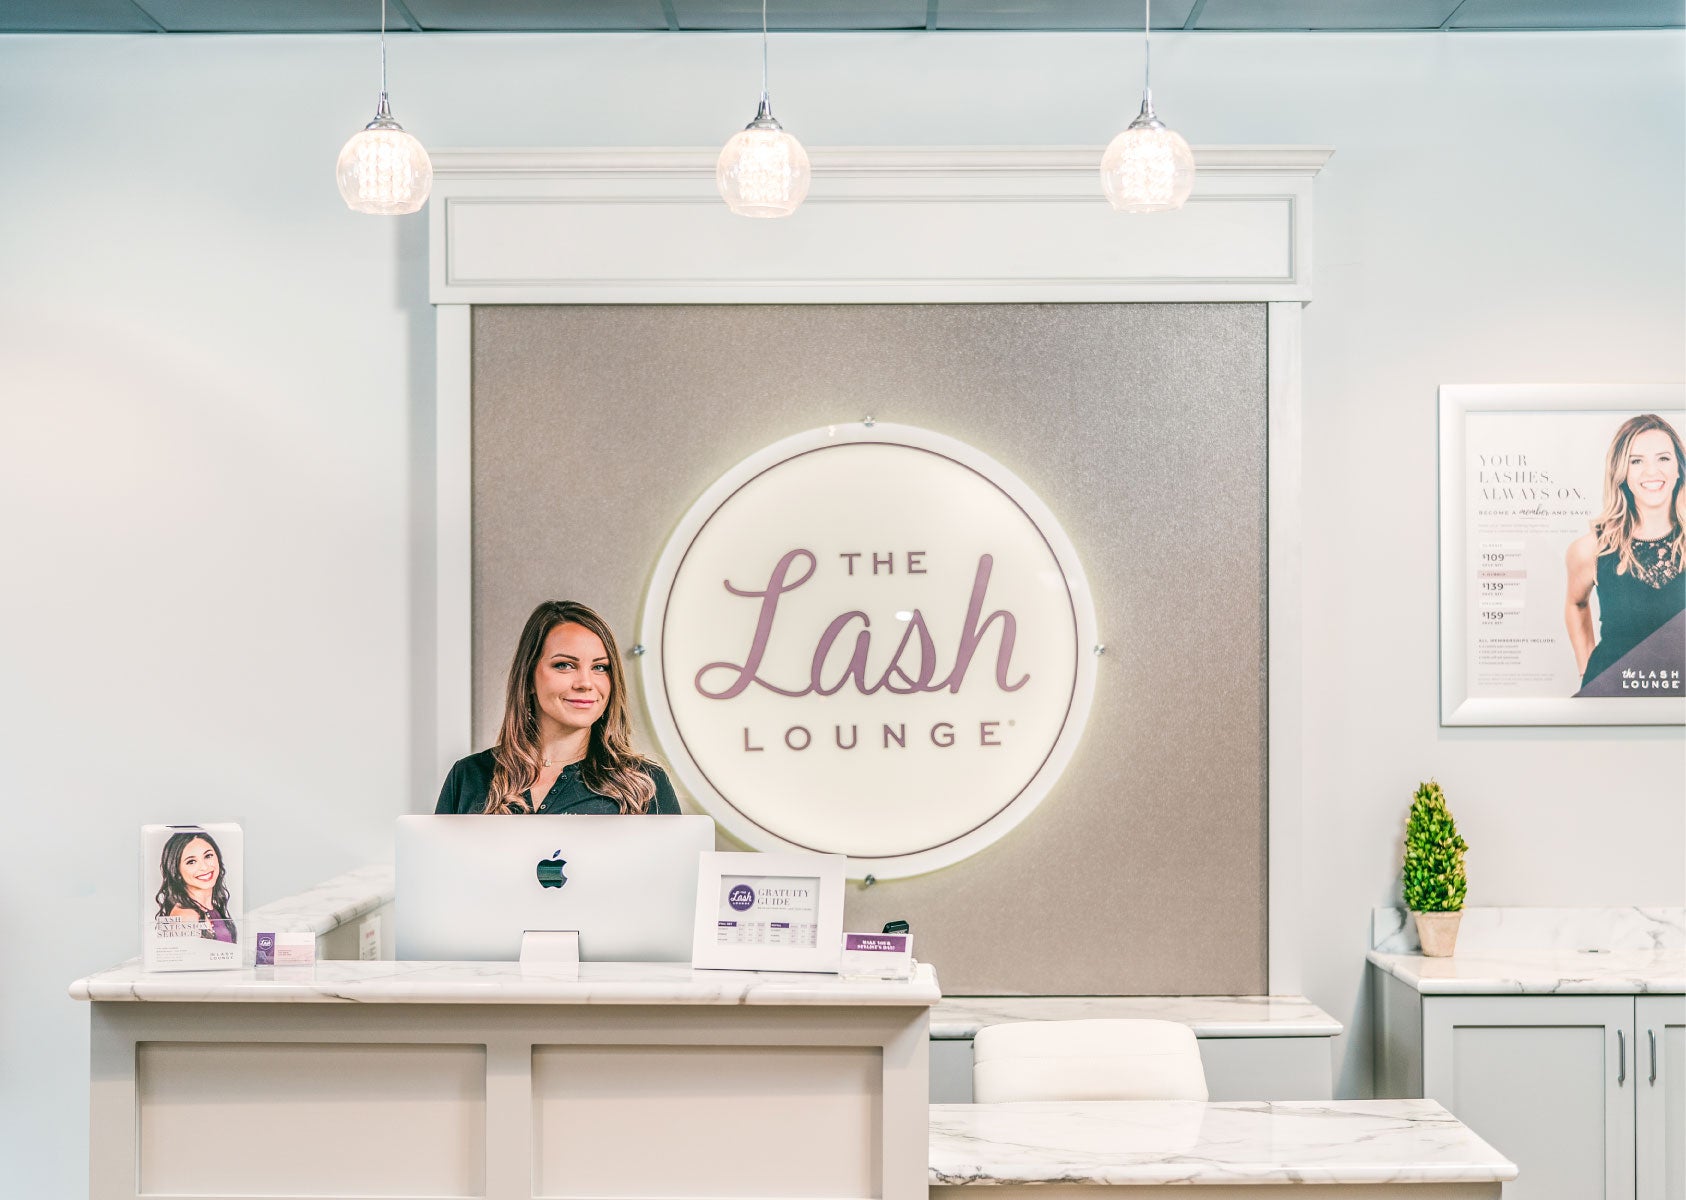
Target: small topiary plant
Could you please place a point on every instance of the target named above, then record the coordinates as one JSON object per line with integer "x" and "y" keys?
{"x": 1434, "y": 854}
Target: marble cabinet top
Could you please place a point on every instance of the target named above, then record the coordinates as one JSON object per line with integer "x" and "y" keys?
{"x": 1394, "y": 931}
{"x": 327, "y": 906}
{"x": 1182, "y": 1142}
{"x": 1541, "y": 972}
{"x": 502, "y": 983}
{"x": 960, "y": 1017}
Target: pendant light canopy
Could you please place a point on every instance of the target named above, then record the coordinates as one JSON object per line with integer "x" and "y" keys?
{"x": 762, "y": 171}
{"x": 1147, "y": 168}
{"x": 383, "y": 170}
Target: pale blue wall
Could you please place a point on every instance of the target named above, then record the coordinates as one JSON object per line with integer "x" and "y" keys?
{"x": 215, "y": 403}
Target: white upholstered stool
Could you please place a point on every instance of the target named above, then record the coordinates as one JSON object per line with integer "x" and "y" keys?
{"x": 1087, "y": 1060}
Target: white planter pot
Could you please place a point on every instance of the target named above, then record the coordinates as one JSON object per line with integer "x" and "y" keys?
{"x": 1438, "y": 932}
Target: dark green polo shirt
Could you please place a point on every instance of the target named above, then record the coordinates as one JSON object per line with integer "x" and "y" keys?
{"x": 471, "y": 779}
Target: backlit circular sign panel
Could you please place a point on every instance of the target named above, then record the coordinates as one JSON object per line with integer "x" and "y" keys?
{"x": 869, "y": 640}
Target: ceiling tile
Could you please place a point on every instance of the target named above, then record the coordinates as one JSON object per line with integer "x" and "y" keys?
{"x": 1048, "y": 15}
{"x": 801, "y": 14}
{"x": 1325, "y": 14}
{"x": 569, "y": 16}
{"x": 1568, "y": 14}
{"x": 73, "y": 16}
{"x": 270, "y": 16}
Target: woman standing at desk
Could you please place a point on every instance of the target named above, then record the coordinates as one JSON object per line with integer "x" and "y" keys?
{"x": 565, "y": 745}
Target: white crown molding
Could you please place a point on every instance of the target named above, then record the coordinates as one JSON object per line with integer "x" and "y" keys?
{"x": 859, "y": 161}
{"x": 881, "y": 225}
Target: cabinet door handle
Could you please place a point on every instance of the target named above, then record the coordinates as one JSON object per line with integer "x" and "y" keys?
{"x": 1621, "y": 1057}
{"x": 1652, "y": 1034}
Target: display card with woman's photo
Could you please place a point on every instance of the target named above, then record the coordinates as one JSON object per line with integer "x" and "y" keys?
{"x": 1563, "y": 556}
{"x": 191, "y": 897}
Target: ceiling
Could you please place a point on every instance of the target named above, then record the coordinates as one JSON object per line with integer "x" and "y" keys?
{"x": 605, "y": 16}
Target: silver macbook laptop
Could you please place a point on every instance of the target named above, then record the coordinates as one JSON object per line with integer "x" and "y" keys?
{"x": 469, "y": 886}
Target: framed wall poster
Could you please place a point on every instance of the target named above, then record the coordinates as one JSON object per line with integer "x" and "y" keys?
{"x": 778, "y": 911}
{"x": 1562, "y": 598}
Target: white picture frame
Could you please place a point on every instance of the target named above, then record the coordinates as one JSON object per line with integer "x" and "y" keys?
{"x": 741, "y": 898}
{"x": 1540, "y": 449}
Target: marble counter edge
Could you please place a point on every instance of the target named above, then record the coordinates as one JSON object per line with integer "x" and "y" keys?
{"x": 958, "y": 1018}
{"x": 498, "y": 983}
{"x": 1181, "y": 1142}
{"x": 1534, "y": 979}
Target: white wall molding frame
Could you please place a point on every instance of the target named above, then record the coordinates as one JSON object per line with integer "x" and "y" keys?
{"x": 908, "y": 225}
{"x": 881, "y": 226}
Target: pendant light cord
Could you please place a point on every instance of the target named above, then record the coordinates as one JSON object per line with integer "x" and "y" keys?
{"x": 1147, "y": 48}
{"x": 763, "y": 48}
{"x": 383, "y": 49}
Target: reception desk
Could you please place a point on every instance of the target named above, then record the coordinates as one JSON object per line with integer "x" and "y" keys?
{"x": 355, "y": 1079}
{"x": 359, "y": 1079}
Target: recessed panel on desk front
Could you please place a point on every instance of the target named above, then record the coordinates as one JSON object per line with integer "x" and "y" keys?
{"x": 310, "y": 1119}
{"x": 707, "y": 1121}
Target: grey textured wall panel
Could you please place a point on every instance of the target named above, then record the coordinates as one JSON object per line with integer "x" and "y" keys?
{"x": 1142, "y": 426}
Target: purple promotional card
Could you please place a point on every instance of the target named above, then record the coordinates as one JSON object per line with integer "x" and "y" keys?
{"x": 877, "y": 956}
{"x": 882, "y": 943}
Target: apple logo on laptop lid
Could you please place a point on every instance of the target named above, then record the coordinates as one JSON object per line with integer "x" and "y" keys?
{"x": 550, "y": 871}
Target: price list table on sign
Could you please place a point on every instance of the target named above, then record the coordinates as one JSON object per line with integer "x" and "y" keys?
{"x": 1501, "y": 575}
{"x": 768, "y": 911}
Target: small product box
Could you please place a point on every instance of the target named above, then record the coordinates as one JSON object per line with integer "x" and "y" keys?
{"x": 191, "y": 897}
{"x": 877, "y": 956}
{"x": 286, "y": 949}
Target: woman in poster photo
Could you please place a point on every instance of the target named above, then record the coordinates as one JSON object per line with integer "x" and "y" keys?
{"x": 1633, "y": 557}
{"x": 195, "y": 884}
{"x": 565, "y": 745}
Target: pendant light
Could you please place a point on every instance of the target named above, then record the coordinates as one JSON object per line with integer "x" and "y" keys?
{"x": 1147, "y": 168}
{"x": 762, "y": 171}
{"x": 383, "y": 170}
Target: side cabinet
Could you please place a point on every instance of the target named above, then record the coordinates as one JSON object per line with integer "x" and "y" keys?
{"x": 1547, "y": 1080}
{"x": 1585, "y": 1093}
{"x": 1660, "y": 1090}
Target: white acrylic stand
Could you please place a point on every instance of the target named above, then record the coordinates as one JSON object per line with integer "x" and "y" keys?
{"x": 551, "y": 947}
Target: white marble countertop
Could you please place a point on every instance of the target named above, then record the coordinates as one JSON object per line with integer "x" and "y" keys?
{"x": 501, "y": 983}
{"x": 1542, "y": 972}
{"x": 327, "y": 906}
{"x": 1182, "y": 1142}
{"x": 960, "y": 1017}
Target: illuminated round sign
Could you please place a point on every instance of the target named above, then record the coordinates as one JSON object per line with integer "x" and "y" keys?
{"x": 869, "y": 640}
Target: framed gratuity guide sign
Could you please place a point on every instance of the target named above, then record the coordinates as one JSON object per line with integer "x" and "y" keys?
{"x": 768, "y": 912}
{"x": 1563, "y": 599}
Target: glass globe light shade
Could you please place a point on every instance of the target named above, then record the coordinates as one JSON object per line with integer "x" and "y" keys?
{"x": 762, "y": 171}
{"x": 383, "y": 170}
{"x": 1147, "y": 168}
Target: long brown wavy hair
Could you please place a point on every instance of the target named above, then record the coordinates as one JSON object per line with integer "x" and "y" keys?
{"x": 1614, "y": 524}
{"x": 612, "y": 768}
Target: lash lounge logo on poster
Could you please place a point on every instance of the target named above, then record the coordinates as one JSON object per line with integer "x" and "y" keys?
{"x": 871, "y": 640}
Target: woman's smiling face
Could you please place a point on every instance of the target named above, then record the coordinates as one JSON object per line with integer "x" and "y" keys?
{"x": 571, "y": 683}
{"x": 199, "y": 865}
{"x": 1652, "y": 470}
